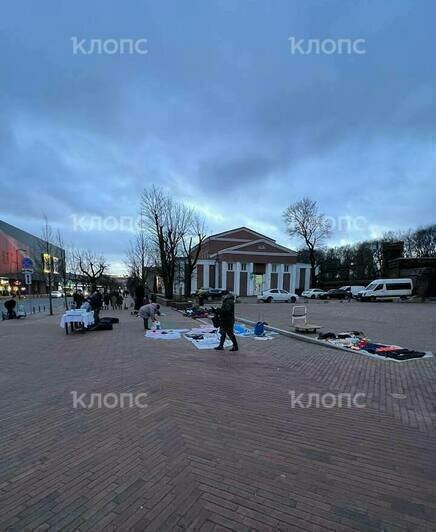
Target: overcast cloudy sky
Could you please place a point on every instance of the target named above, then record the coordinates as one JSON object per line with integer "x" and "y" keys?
{"x": 219, "y": 111}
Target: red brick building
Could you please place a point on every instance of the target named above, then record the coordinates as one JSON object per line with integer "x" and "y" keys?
{"x": 15, "y": 245}
{"x": 247, "y": 262}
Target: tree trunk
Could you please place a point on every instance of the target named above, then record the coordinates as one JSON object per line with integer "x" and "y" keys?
{"x": 313, "y": 280}
{"x": 169, "y": 289}
{"x": 188, "y": 281}
{"x": 168, "y": 281}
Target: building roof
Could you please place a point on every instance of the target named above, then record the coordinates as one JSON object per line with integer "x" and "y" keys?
{"x": 268, "y": 246}
{"x": 241, "y": 239}
{"x": 238, "y": 230}
{"x": 24, "y": 237}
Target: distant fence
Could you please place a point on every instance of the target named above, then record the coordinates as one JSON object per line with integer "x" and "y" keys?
{"x": 37, "y": 305}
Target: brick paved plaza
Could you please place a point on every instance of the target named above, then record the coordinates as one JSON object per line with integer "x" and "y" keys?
{"x": 411, "y": 325}
{"x": 219, "y": 446}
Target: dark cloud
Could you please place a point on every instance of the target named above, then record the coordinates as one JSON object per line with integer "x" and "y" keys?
{"x": 219, "y": 112}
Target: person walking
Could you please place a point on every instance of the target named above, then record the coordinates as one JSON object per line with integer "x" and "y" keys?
{"x": 227, "y": 322}
{"x": 114, "y": 300}
{"x": 106, "y": 300}
{"x": 150, "y": 311}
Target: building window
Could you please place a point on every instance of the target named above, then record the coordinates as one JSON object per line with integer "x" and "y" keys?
{"x": 274, "y": 268}
{"x": 46, "y": 261}
{"x": 55, "y": 261}
{"x": 230, "y": 266}
{"x": 286, "y": 270}
{"x": 243, "y": 266}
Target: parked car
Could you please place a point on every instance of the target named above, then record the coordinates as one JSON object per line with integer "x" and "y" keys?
{"x": 57, "y": 293}
{"x": 210, "y": 293}
{"x": 276, "y": 294}
{"x": 386, "y": 289}
{"x": 312, "y": 293}
{"x": 354, "y": 290}
{"x": 335, "y": 293}
{"x": 344, "y": 292}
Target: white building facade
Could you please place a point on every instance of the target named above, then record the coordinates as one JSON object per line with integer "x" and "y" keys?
{"x": 246, "y": 263}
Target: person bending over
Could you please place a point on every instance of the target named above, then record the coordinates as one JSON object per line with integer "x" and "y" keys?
{"x": 149, "y": 311}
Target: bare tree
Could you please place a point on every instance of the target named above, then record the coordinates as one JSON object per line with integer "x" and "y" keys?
{"x": 90, "y": 265}
{"x": 304, "y": 220}
{"x": 424, "y": 241}
{"x": 192, "y": 244}
{"x": 168, "y": 222}
{"x": 65, "y": 264}
{"x": 141, "y": 255}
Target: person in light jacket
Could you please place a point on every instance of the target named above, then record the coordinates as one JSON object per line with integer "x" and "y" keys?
{"x": 150, "y": 311}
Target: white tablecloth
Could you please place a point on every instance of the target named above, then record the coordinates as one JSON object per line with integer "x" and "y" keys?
{"x": 87, "y": 318}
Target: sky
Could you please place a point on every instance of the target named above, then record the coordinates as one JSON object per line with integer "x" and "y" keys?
{"x": 222, "y": 111}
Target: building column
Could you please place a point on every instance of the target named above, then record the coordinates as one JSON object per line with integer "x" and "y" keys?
{"x": 206, "y": 275}
{"x": 280, "y": 270}
{"x": 194, "y": 281}
{"x": 307, "y": 279}
{"x": 268, "y": 270}
{"x": 294, "y": 275}
{"x": 236, "y": 279}
{"x": 250, "y": 279}
{"x": 224, "y": 275}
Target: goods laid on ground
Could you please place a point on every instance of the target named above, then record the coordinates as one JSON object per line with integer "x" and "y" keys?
{"x": 196, "y": 312}
{"x": 165, "y": 334}
{"x": 356, "y": 341}
{"x": 108, "y": 319}
{"x": 102, "y": 326}
{"x": 207, "y": 340}
{"x": 208, "y": 337}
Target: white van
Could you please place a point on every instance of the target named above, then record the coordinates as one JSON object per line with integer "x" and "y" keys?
{"x": 387, "y": 289}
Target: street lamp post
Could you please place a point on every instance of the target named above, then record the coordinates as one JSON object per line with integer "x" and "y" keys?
{"x": 18, "y": 268}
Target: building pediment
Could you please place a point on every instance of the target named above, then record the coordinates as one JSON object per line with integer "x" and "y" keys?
{"x": 240, "y": 234}
{"x": 260, "y": 246}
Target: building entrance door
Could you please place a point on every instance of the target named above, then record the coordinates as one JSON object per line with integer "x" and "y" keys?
{"x": 259, "y": 284}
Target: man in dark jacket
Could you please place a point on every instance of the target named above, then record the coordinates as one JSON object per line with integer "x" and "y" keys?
{"x": 96, "y": 303}
{"x": 78, "y": 299}
{"x": 10, "y": 305}
{"x": 227, "y": 319}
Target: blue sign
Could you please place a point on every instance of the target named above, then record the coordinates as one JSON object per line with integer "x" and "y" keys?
{"x": 27, "y": 263}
